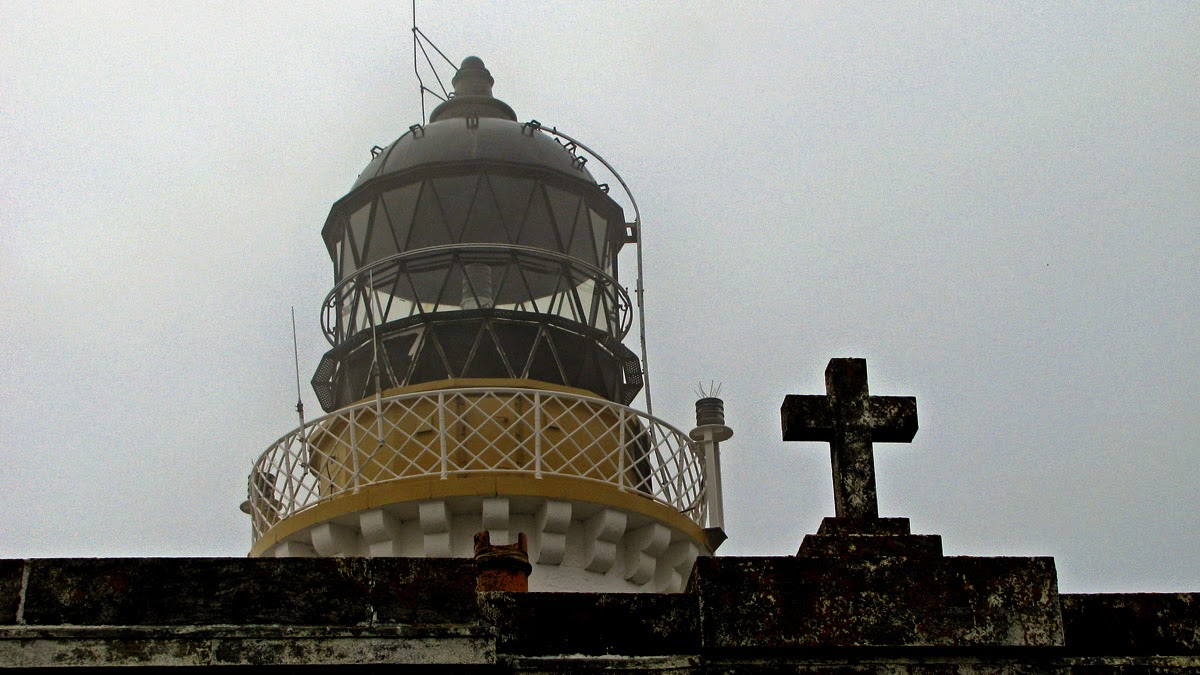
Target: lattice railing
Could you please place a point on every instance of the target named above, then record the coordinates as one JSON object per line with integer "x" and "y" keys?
{"x": 461, "y": 432}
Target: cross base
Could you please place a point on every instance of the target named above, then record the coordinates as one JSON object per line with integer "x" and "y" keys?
{"x": 869, "y": 538}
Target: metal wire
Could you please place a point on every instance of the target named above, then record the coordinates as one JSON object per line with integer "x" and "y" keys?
{"x": 419, "y": 42}
{"x": 639, "y": 290}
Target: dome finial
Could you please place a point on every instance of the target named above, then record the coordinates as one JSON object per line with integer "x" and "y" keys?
{"x": 473, "y": 78}
{"x": 472, "y": 95}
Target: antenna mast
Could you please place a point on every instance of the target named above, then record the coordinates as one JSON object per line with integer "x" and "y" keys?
{"x": 296, "y": 355}
{"x": 419, "y": 42}
{"x": 299, "y": 400}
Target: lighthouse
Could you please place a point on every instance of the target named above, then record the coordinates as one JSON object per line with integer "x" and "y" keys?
{"x": 478, "y": 377}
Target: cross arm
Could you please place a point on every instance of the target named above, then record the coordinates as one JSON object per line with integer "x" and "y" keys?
{"x": 806, "y": 418}
{"x": 892, "y": 419}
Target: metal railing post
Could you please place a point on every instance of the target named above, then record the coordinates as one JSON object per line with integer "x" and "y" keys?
{"x": 288, "y": 491}
{"x": 293, "y": 486}
{"x": 537, "y": 435}
{"x": 681, "y": 481}
{"x": 354, "y": 451}
{"x": 442, "y": 433}
{"x": 379, "y": 417}
{"x": 623, "y": 421}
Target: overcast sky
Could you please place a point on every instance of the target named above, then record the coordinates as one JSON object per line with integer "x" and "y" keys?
{"x": 996, "y": 204}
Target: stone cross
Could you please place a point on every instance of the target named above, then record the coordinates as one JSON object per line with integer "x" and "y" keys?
{"x": 850, "y": 420}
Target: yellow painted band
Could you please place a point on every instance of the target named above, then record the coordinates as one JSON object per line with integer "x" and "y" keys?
{"x": 563, "y": 488}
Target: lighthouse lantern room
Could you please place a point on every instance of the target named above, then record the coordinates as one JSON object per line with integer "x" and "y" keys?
{"x": 477, "y": 376}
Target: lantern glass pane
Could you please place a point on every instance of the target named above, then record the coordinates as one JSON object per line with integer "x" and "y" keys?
{"x": 382, "y": 242}
{"x": 400, "y": 204}
{"x": 565, "y": 210}
{"x": 358, "y": 231}
{"x": 457, "y": 197}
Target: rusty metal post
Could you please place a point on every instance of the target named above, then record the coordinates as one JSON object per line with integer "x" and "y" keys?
{"x": 502, "y": 568}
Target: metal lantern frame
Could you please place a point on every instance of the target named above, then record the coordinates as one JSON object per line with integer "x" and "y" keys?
{"x": 409, "y": 247}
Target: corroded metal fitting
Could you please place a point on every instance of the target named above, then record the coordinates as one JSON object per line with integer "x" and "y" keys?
{"x": 502, "y": 568}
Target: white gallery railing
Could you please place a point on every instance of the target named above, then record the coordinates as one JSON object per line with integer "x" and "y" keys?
{"x": 451, "y": 433}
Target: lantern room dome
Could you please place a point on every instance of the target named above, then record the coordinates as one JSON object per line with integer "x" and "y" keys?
{"x": 456, "y": 141}
{"x": 473, "y": 126}
{"x": 474, "y": 134}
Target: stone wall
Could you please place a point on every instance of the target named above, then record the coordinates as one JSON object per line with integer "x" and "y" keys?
{"x": 739, "y": 615}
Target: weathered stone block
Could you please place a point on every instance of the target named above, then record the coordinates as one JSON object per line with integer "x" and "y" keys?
{"x": 632, "y": 624}
{"x": 298, "y": 591}
{"x": 896, "y": 602}
{"x": 1123, "y": 624}
{"x": 423, "y": 590}
{"x": 868, "y": 537}
{"x": 870, "y": 545}
{"x": 884, "y": 664}
{"x": 10, "y": 589}
{"x": 831, "y": 526}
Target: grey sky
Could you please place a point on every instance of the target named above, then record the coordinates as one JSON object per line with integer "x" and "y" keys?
{"x": 996, "y": 204}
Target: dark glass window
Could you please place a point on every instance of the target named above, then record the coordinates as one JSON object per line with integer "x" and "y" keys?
{"x": 349, "y": 262}
{"x": 400, "y": 205}
{"x": 382, "y": 241}
{"x": 600, "y": 237}
{"x": 359, "y": 220}
{"x": 564, "y": 208}
{"x": 485, "y": 223}
{"x": 456, "y": 194}
{"x": 538, "y": 230}
{"x": 429, "y": 224}
{"x": 512, "y": 198}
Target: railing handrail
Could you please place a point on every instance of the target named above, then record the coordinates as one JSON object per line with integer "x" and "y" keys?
{"x": 346, "y": 286}
{"x": 632, "y": 451}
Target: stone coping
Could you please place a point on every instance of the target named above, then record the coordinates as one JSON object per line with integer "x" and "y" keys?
{"x": 736, "y": 611}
